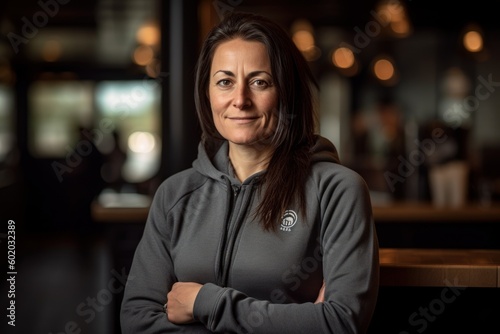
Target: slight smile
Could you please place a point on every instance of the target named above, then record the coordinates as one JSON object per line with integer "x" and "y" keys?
{"x": 243, "y": 120}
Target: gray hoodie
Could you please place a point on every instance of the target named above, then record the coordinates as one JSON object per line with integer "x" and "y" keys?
{"x": 201, "y": 229}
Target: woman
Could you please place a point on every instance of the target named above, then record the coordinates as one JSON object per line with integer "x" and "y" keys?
{"x": 243, "y": 241}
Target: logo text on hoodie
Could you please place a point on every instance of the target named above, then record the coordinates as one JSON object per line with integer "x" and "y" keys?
{"x": 288, "y": 221}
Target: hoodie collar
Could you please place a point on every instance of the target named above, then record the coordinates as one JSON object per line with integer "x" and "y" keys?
{"x": 215, "y": 163}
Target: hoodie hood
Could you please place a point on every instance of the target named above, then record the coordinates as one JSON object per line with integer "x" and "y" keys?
{"x": 323, "y": 150}
{"x": 214, "y": 163}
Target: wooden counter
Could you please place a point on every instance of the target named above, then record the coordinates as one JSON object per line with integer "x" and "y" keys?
{"x": 406, "y": 212}
{"x": 432, "y": 267}
{"x": 118, "y": 214}
{"x": 120, "y": 208}
{"x": 417, "y": 211}
{"x": 439, "y": 267}
{"x": 422, "y": 225}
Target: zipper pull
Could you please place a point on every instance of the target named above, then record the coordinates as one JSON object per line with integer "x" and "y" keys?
{"x": 236, "y": 190}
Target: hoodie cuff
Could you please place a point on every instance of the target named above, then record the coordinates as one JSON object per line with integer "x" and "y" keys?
{"x": 205, "y": 304}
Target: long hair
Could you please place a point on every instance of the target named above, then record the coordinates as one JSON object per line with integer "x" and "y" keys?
{"x": 284, "y": 181}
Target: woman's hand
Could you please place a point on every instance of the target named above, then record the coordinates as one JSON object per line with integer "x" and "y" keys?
{"x": 321, "y": 294}
{"x": 180, "y": 302}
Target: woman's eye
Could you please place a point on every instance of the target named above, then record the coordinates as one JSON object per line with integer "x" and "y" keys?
{"x": 261, "y": 83}
{"x": 224, "y": 83}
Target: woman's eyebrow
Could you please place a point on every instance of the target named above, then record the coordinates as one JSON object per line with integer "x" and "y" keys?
{"x": 229, "y": 73}
{"x": 251, "y": 74}
{"x": 255, "y": 73}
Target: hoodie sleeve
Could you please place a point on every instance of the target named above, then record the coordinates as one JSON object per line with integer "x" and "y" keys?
{"x": 151, "y": 277}
{"x": 350, "y": 266}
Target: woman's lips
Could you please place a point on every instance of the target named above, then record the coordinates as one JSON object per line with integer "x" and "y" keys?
{"x": 243, "y": 120}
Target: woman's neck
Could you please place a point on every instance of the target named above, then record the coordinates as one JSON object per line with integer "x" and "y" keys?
{"x": 248, "y": 160}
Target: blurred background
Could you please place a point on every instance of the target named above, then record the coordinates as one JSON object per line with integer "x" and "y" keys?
{"x": 96, "y": 110}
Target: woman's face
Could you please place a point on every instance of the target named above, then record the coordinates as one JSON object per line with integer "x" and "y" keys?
{"x": 242, "y": 93}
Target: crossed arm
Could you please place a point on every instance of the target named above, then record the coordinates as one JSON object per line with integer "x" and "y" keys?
{"x": 180, "y": 301}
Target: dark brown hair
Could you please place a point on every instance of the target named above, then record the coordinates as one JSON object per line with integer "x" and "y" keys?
{"x": 284, "y": 181}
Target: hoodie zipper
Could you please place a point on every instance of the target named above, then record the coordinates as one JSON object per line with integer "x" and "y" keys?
{"x": 228, "y": 242}
{"x": 231, "y": 199}
{"x": 239, "y": 203}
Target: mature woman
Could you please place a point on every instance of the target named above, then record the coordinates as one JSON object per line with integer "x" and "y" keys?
{"x": 267, "y": 232}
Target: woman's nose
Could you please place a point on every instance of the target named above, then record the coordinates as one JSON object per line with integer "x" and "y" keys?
{"x": 241, "y": 97}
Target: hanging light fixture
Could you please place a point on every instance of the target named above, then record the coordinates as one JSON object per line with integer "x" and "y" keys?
{"x": 384, "y": 70}
{"x": 394, "y": 16}
{"x": 303, "y": 37}
{"x": 344, "y": 59}
{"x": 473, "y": 38}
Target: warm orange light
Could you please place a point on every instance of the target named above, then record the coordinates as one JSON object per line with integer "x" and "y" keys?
{"x": 303, "y": 39}
{"x": 401, "y": 27}
{"x": 395, "y": 14}
{"x": 473, "y": 41}
{"x": 343, "y": 57}
{"x": 302, "y": 33}
{"x": 383, "y": 69}
{"x": 148, "y": 35}
{"x": 143, "y": 55}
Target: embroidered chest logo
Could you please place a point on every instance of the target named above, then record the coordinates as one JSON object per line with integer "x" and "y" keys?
{"x": 288, "y": 221}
